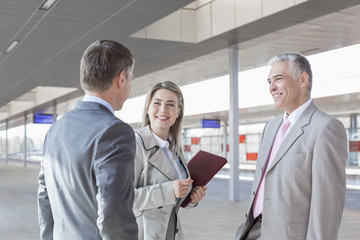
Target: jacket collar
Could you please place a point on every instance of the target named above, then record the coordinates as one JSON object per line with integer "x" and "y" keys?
{"x": 155, "y": 157}
{"x": 84, "y": 105}
{"x": 295, "y": 132}
{"x": 149, "y": 142}
{"x": 158, "y": 159}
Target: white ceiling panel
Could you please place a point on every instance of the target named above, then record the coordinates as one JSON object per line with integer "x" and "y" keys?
{"x": 52, "y": 42}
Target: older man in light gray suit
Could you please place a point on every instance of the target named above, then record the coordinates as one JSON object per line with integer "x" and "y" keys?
{"x": 86, "y": 176}
{"x": 299, "y": 190}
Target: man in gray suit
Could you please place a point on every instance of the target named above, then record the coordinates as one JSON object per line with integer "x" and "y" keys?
{"x": 299, "y": 188}
{"x": 87, "y": 173}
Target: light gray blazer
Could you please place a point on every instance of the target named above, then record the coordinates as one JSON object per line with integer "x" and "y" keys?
{"x": 154, "y": 194}
{"x": 305, "y": 186}
{"x": 86, "y": 177}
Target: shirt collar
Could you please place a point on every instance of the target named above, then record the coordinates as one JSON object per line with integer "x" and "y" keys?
{"x": 294, "y": 116}
{"x": 92, "y": 98}
{"x": 161, "y": 142}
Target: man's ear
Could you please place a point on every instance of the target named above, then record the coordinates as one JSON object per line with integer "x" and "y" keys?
{"x": 121, "y": 78}
{"x": 304, "y": 79}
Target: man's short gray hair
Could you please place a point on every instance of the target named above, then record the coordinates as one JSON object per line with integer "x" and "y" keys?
{"x": 298, "y": 64}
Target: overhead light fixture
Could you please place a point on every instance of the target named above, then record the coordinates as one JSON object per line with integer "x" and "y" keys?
{"x": 47, "y": 4}
{"x": 11, "y": 46}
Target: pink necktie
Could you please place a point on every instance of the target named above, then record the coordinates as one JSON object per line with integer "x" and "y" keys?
{"x": 259, "y": 199}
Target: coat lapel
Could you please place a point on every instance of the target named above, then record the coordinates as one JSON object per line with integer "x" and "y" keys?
{"x": 295, "y": 132}
{"x": 155, "y": 155}
{"x": 161, "y": 162}
{"x": 157, "y": 158}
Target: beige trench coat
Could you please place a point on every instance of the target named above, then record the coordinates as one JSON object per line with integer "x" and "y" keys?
{"x": 154, "y": 194}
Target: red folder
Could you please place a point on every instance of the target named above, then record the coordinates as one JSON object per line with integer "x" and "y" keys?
{"x": 203, "y": 167}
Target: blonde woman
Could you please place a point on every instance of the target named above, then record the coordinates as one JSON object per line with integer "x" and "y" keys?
{"x": 162, "y": 178}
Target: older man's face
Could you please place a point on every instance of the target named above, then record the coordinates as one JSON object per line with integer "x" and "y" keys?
{"x": 286, "y": 91}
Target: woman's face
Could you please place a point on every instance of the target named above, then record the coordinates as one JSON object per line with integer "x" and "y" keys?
{"x": 163, "y": 110}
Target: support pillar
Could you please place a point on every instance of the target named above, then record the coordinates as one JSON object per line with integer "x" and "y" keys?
{"x": 25, "y": 145}
{"x": 234, "y": 126}
{"x": 224, "y": 142}
{"x": 353, "y": 124}
{"x": 353, "y": 155}
{"x": 7, "y": 141}
{"x": 54, "y": 111}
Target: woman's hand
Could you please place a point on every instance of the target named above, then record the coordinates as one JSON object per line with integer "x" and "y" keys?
{"x": 197, "y": 193}
{"x": 181, "y": 187}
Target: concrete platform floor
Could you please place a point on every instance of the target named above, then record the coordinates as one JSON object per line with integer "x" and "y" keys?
{"x": 216, "y": 218}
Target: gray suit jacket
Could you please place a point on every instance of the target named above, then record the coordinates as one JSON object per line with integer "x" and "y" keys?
{"x": 305, "y": 185}
{"x": 86, "y": 177}
{"x": 154, "y": 194}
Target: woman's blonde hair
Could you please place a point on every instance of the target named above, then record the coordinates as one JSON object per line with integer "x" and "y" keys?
{"x": 176, "y": 129}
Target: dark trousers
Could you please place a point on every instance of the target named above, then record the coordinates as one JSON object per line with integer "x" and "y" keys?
{"x": 172, "y": 226}
{"x": 253, "y": 232}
